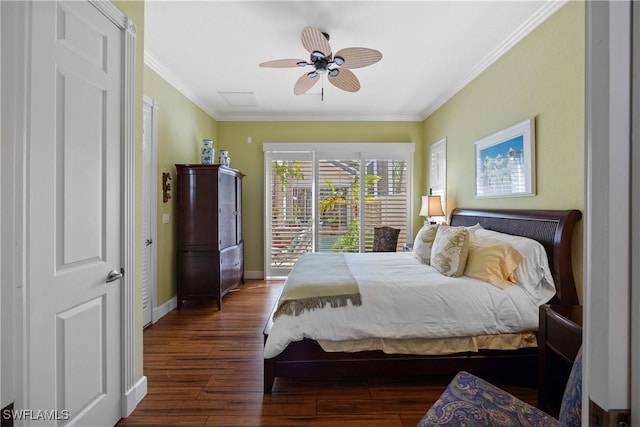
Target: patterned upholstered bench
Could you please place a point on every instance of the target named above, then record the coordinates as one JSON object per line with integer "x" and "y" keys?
{"x": 471, "y": 401}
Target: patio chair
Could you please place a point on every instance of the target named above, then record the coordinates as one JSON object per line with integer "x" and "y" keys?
{"x": 385, "y": 239}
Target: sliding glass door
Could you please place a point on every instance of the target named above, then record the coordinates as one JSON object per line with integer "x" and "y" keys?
{"x": 330, "y": 197}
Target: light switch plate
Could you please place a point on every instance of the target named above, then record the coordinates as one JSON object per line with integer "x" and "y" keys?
{"x": 165, "y": 218}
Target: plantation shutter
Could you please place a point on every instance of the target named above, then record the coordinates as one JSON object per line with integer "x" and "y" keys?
{"x": 338, "y": 205}
{"x": 329, "y": 197}
{"x": 386, "y": 198}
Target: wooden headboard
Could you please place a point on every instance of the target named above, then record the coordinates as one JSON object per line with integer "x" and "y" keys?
{"x": 552, "y": 228}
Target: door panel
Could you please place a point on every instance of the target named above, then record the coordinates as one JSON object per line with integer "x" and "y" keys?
{"x": 200, "y": 233}
{"x": 149, "y": 208}
{"x": 74, "y": 211}
{"x": 230, "y": 265}
{"x": 227, "y": 204}
{"x": 81, "y": 355}
{"x": 80, "y": 170}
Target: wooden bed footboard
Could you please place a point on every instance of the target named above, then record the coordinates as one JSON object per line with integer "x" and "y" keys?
{"x": 553, "y": 229}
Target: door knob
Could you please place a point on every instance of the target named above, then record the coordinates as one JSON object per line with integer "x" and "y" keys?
{"x": 114, "y": 275}
{"x": 148, "y": 242}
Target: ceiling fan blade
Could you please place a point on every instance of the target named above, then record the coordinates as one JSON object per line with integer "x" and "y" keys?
{"x": 357, "y": 57}
{"x": 345, "y": 80}
{"x": 305, "y": 83}
{"x": 314, "y": 41}
{"x": 284, "y": 63}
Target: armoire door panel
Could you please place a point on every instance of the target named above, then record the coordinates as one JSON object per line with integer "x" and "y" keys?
{"x": 197, "y": 226}
{"x": 227, "y": 212}
{"x": 230, "y": 262}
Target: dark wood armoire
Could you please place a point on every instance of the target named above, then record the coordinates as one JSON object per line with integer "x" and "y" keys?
{"x": 210, "y": 257}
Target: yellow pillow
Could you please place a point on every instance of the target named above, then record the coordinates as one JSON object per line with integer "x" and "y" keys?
{"x": 492, "y": 261}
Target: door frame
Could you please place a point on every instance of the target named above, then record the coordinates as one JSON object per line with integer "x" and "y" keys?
{"x": 15, "y": 285}
{"x": 153, "y": 205}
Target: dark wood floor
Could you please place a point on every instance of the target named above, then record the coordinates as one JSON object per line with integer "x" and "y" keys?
{"x": 204, "y": 368}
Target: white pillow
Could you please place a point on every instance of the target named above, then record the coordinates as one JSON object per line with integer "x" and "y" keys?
{"x": 472, "y": 229}
{"x": 423, "y": 242}
{"x": 533, "y": 272}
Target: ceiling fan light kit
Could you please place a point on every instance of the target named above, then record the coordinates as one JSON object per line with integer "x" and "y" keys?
{"x": 322, "y": 59}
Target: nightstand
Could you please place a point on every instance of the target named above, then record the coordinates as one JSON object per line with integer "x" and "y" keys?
{"x": 559, "y": 339}
{"x": 407, "y": 247}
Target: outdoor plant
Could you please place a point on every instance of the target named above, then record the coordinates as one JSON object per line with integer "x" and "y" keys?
{"x": 349, "y": 242}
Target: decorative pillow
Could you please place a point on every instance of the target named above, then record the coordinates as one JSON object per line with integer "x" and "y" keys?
{"x": 423, "y": 242}
{"x": 450, "y": 249}
{"x": 533, "y": 273}
{"x": 492, "y": 261}
{"x": 474, "y": 228}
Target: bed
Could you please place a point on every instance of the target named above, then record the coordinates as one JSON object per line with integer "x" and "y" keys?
{"x": 306, "y": 358}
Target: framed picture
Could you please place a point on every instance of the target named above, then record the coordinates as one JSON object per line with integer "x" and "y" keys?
{"x": 505, "y": 162}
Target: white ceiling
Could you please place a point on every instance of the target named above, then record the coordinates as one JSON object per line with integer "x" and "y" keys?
{"x": 210, "y": 51}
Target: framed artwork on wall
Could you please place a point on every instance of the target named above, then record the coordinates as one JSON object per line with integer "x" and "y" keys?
{"x": 505, "y": 162}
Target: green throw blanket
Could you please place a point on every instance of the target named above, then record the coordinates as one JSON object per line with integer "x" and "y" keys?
{"x": 315, "y": 280}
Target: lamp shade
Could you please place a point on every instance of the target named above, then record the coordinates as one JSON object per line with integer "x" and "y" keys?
{"x": 431, "y": 206}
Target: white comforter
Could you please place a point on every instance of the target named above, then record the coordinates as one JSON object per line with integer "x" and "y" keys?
{"x": 402, "y": 298}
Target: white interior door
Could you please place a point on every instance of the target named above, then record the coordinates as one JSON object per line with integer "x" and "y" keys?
{"x": 150, "y": 212}
{"x": 73, "y": 214}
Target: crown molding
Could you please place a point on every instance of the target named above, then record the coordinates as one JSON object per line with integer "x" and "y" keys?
{"x": 541, "y": 15}
{"x": 151, "y": 62}
{"x": 292, "y": 117}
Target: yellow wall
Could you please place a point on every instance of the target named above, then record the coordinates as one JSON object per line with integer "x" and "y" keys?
{"x": 541, "y": 77}
{"x": 249, "y": 159}
{"x": 182, "y": 126}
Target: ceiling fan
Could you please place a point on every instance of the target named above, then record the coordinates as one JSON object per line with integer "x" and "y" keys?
{"x": 337, "y": 67}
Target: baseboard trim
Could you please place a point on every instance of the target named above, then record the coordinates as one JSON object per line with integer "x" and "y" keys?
{"x": 134, "y": 396}
{"x": 257, "y": 275}
{"x": 599, "y": 417}
{"x": 159, "y": 312}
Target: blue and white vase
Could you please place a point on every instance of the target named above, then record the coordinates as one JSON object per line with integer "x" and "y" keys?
{"x": 207, "y": 152}
{"x": 224, "y": 159}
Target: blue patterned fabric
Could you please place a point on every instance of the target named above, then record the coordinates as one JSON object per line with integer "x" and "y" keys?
{"x": 571, "y": 408}
{"x": 470, "y": 401}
